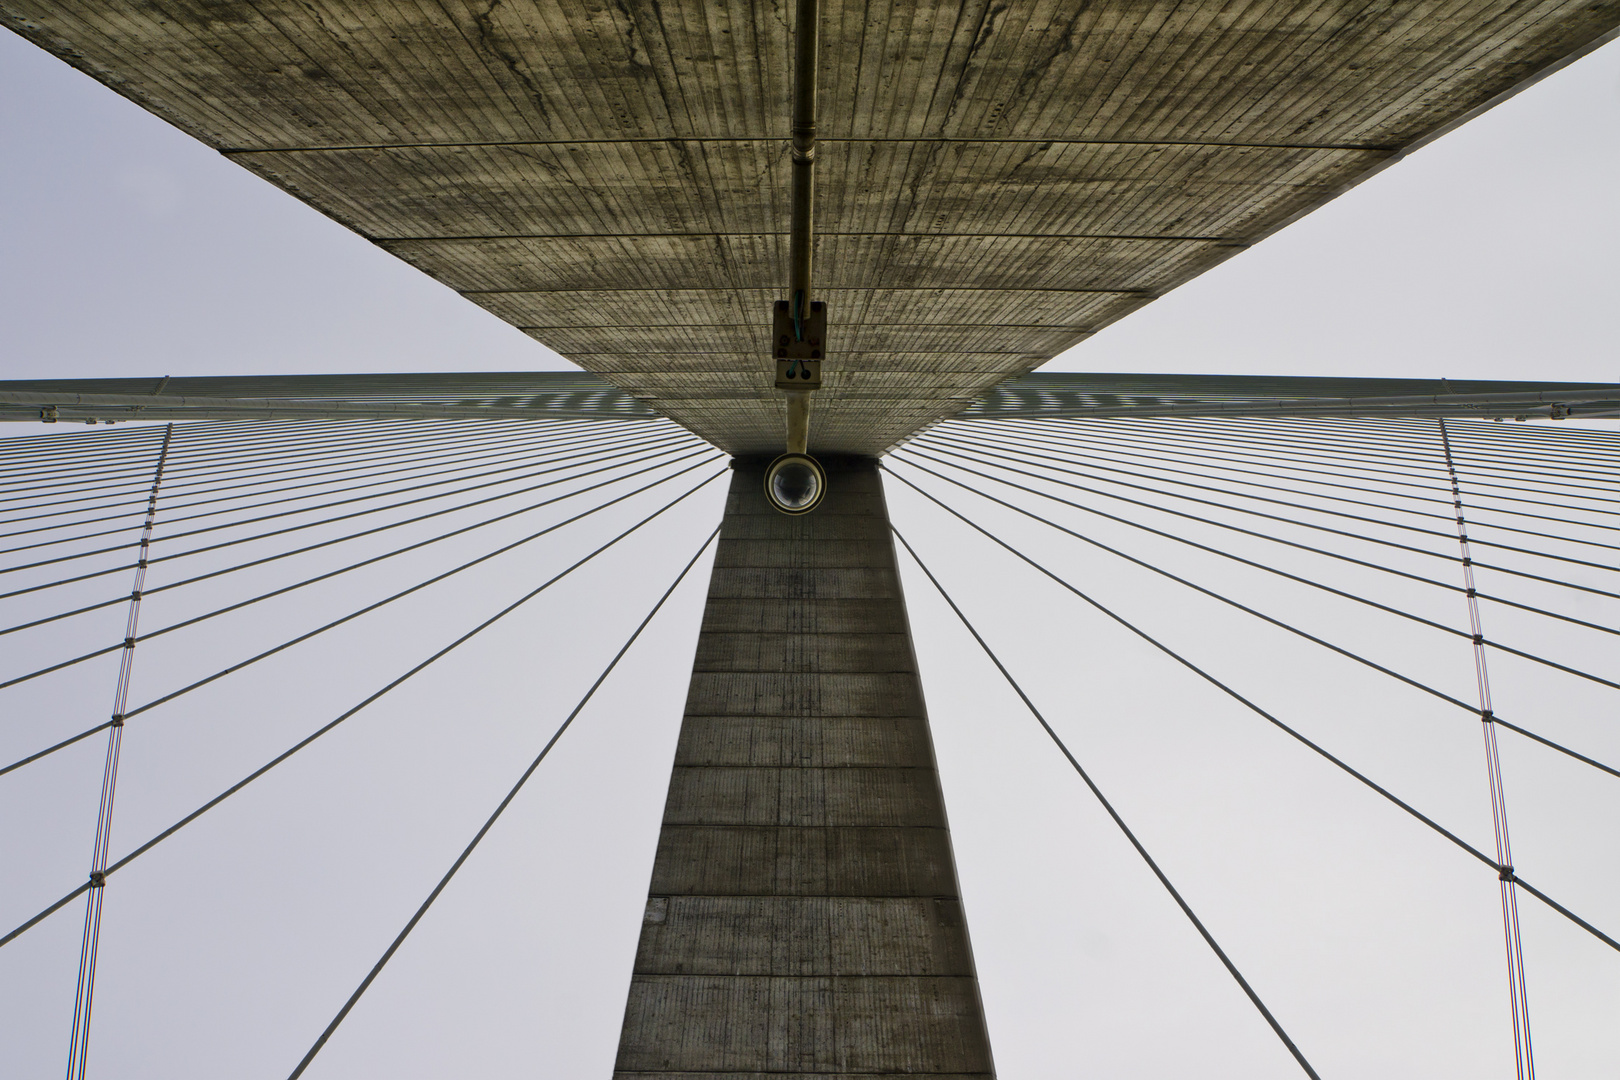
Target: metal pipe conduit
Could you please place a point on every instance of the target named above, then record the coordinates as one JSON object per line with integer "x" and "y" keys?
{"x": 801, "y": 242}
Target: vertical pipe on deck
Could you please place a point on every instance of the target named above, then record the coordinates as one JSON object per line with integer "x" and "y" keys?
{"x": 801, "y": 242}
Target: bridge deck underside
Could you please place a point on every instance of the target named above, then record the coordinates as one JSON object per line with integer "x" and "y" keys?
{"x": 804, "y": 917}
{"x": 996, "y": 182}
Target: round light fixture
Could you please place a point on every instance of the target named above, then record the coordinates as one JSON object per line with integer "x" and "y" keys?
{"x": 795, "y": 484}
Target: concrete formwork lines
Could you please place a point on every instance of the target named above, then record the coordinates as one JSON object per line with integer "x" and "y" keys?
{"x": 979, "y": 155}
{"x": 804, "y": 916}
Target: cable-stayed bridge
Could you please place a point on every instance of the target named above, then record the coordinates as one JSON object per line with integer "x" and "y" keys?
{"x": 641, "y": 188}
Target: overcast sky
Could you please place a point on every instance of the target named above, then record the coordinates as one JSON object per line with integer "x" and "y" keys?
{"x": 131, "y": 250}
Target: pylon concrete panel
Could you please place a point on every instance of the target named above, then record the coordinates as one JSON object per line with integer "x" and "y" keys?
{"x": 804, "y": 916}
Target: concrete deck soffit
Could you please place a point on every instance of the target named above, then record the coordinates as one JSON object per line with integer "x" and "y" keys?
{"x": 995, "y": 182}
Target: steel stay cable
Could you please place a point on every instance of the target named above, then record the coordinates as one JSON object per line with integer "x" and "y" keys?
{"x": 134, "y": 511}
{"x": 49, "y": 750}
{"x": 1522, "y": 1046}
{"x": 78, "y": 446}
{"x": 594, "y": 455}
{"x": 354, "y": 456}
{"x": 1547, "y": 455}
{"x": 32, "y": 466}
{"x": 261, "y": 478}
{"x": 210, "y": 471}
{"x": 345, "y": 517}
{"x": 79, "y": 476}
{"x": 1562, "y": 435}
{"x": 1416, "y": 426}
{"x": 1292, "y": 458}
{"x": 405, "y": 442}
{"x": 1409, "y": 431}
{"x": 94, "y": 475}
{"x": 1178, "y": 513}
{"x": 1250, "y": 532}
{"x": 135, "y": 429}
{"x": 1306, "y": 547}
{"x": 353, "y": 536}
{"x": 1252, "y": 437}
{"x": 1386, "y": 436}
{"x": 1194, "y": 452}
{"x": 935, "y": 436}
{"x": 460, "y": 465}
{"x": 90, "y": 945}
{"x": 1284, "y": 463}
{"x": 1191, "y": 543}
{"x": 354, "y": 566}
{"x": 943, "y": 433}
{"x": 452, "y": 449}
{"x": 1579, "y": 443}
{"x": 597, "y": 453}
{"x": 1559, "y": 470}
{"x": 111, "y": 439}
{"x": 245, "y": 436}
{"x": 1552, "y": 484}
{"x": 1440, "y": 694}
{"x": 1388, "y": 477}
{"x": 307, "y": 740}
{"x": 1544, "y": 741}
{"x": 1307, "y": 581}
{"x": 131, "y": 428}
{"x": 1178, "y": 439}
{"x": 1535, "y": 517}
{"x": 18, "y": 450}
{"x": 1558, "y": 452}
{"x": 1281, "y": 502}
{"x": 410, "y": 925}
{"x": 1225, "y": 554}
{"x": 235, "y": 438}
{"x": 369, "y": 608}
{"x": 1218, "y": 684}
{"x": 1496, "y": 480}
{"x": 1186, "y": 909}
{"x": 239, "y": 444}
{"x": 184, "y": 457}
{"x": 518, "y": 462}
{"x": 1190, "y": 459}
{"x": 188, "y": 622}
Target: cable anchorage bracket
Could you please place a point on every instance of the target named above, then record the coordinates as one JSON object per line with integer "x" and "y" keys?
{"x": 798, "y": 343}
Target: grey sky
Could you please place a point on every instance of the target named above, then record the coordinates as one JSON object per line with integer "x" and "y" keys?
{"x": 129, "y": 249}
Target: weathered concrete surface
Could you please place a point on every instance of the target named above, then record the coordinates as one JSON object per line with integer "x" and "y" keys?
{"x": 804, "y": 917}
{"x": 995, "y": 181}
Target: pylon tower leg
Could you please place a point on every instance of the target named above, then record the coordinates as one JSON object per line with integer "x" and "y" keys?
{"x": 804, "y": 916}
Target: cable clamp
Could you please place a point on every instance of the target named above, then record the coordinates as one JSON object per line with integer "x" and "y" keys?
{"x": 135, "y": 595}
{"x": 1470, "y": 592}
{"x": 1479, "y": 639}
{"x": 117, "y": 720}
{"x": 1505, "y": 873}
{"x": 129, "y": 643}
{"x": 1486, "y": 716}
{"x": 98, "y": 878}
{"x": 1467, "y": 561}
